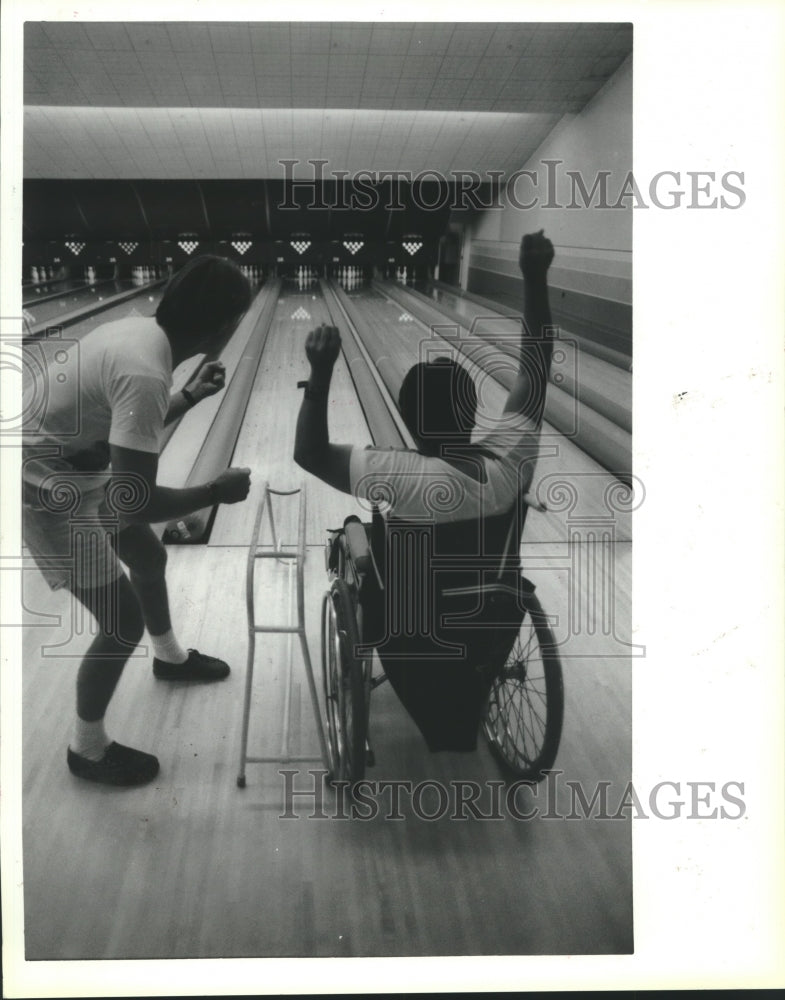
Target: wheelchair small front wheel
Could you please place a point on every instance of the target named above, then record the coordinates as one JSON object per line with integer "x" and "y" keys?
{"x": 525, "y": 709}
{"x": 344, "y": 684}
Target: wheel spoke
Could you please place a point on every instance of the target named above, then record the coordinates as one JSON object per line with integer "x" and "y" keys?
{"x": 523, "y": 718}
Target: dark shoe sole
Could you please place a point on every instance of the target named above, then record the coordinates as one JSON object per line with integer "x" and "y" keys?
{"x": 198, "y": 667}
{"x": 120, "y": 766}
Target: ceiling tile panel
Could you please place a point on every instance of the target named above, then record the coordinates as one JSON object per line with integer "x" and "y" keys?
{"x": 342, "y": 63}
{"x": 470, "y": 40}
{"x": 459, "y": 67}
{"x": 185, "y": 37}
{"x": 66, "y": 34}
{"x": 36, "y": 37}
{"x": 82, "y": 60}
{"x": 497, "y": 68}
{"x": 230, "y": 38}
{"x": 149, "y": 36}
{"x": 390, "y": 39}
{"x": 269, "y": 38}
{"x": 182, "y": 99}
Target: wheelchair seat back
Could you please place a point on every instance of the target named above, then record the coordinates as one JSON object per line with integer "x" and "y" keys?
{"x": 442, "y": 605}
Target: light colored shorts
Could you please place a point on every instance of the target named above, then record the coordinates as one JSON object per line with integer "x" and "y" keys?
{"x": 72, "y": 547}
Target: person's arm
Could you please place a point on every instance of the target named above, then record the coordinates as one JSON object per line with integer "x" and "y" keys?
{"x": 312, "y": 448}
{"x": 134, "y": 494}
{"x": 210, "y": 379}
{"x": 527, "y": 395}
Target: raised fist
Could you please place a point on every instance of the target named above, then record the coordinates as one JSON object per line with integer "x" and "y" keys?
{"x": 233, "y": 485}
{"x": 210, "y": 379}
{"x": 322, "y": 347}
{"x": 536, "y": 255}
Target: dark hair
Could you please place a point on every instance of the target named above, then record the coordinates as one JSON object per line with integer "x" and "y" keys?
{"x": 438, "y": 401}
{"x": 204, "y": 295}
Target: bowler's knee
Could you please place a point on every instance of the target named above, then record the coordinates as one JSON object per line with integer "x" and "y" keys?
{"x": 142, "y": 551}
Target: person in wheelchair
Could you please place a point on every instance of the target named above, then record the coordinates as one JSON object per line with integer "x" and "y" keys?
{"x": 454, "y": 510}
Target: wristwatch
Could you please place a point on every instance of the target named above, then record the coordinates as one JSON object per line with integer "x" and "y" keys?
{"x": 213, "y": 491}
{"x": 188, "y": 397}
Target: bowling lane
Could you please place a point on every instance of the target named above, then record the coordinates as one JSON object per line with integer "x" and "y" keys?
{"x": 601, "y": 385}
{"x": 570, "y": 483}
{"x": 266, "y": 441}
{"x": 32, "y": 293}
{"x": 54, "y": 309}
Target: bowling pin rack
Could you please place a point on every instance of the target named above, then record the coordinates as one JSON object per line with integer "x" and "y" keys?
{"x": 257, "y": 551}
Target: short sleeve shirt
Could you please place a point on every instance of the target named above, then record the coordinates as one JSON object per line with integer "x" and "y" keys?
{"x": 413, "y": 486}
{"x": 112, "y": 387}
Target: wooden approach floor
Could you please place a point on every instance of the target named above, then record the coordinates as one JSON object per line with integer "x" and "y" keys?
{"x": 192, "y": 866}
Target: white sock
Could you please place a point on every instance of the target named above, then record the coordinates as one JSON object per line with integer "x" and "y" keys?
{"x": 167, "y": 648}
{"x": 90, "y": 739}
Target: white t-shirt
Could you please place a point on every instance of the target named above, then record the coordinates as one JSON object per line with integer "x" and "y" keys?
{"x": 112, "y": 388}
{"x": 409, "y": 485}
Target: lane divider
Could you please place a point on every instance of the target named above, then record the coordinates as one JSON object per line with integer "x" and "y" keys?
{"x": 599, "y": 437}
{"x": 601, "y": 351}
{"x": 215, "y": 453}
{"x": 380, "y": 410}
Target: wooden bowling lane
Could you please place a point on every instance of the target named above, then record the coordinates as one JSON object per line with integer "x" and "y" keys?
{"x": 600, "y": 384}
{"x": 93, "y": 300}
{"x": 182, "y": 448}
{"x": 568, "y": 481}
{"x": 143, "y": 304}
{"x": 49, "y": 309}
{"x": 191, "y": 866}
{"x": 44, "y": 291}
{"x": 266, "y": 441}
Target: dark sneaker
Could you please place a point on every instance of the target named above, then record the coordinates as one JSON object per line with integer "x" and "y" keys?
{"x": 119, "y": 766}
{"x": 198, "y": 667}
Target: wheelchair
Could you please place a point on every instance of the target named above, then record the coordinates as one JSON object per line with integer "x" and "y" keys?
{"x": 522, "y": 713}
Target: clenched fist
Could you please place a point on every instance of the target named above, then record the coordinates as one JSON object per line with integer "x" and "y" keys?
{"x": 210, "y": 379}
{"x": 233, "y": 485}
{"x": 536, "y": 255}
{"x": 322, "y": 347}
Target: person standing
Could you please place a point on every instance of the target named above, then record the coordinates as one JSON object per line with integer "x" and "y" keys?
{"x": 90, "y": 494}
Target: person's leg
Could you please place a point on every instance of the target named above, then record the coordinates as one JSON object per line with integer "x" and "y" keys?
{"x": 77, "y": 555}
{"x": 145, "y": 556}
{"x": 116, "y": 610}
{"x": 92, "y": 754}
{"x": 141, "y": 550}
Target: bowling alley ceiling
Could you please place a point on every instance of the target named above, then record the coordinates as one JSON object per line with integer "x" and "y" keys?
{"x": 124, "y": 100}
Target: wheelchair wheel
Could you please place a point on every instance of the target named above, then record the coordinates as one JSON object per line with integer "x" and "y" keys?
{"x": 525, "y": 709}
{"x": 344, "y": 684}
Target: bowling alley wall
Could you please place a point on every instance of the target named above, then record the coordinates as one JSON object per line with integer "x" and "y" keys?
{"x": 591, "y": 278}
